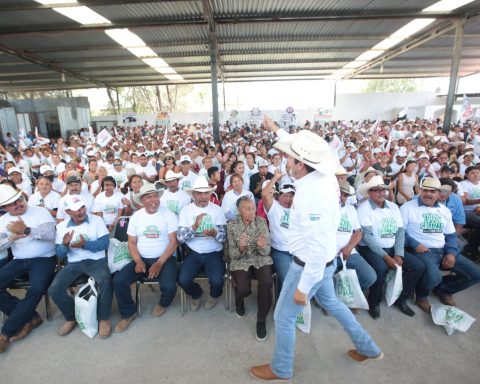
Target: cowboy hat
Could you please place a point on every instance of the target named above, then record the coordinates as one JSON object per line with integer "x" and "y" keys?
{"x": 200, "y": 185}
{"x": 430, "y": 183}
{"x": 170, "y": 175}
{"x": 8, "y": 195}
{"x": 375, "y": 182}
{"x": 369, "y": 170}
{"x": 310, "y": 149}
{"x": 145, "y": 189}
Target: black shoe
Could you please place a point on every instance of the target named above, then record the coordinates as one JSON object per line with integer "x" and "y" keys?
{"x": 404, "y": 308}
{"x": 240, "y": 308}
{"x": 374, "y": 311}
{"x": 314, "y": 302}
{"x": 261, "y": 331}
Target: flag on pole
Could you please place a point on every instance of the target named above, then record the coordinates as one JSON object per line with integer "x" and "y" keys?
{"x": 165, "y": 136}
{"x": 91, "y": 134}
{"x": 117, "y": 135}
{"x": 467, "y": 110}
{"x": 40, "y": 140}
{"x": 334, "y": 146}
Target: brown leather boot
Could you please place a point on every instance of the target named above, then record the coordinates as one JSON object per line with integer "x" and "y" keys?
{"x": 264, "y": 373}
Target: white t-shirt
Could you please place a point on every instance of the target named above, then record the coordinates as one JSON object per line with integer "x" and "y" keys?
{"x": 120, "y": 177}
{"x": 348, "y": 223}
{"x": 58, "y": 169}
{"x": 175, "y": 201}
{"x": 229, "y": 202}
{"x": 50, "y": 201}
{"x": 278, "y": 218}
{"x": 200, "y": 243}
{"x": 109, "y": 206}
{"x": 384, "y": 222}
{"x": 91, "y": 231}
{"x": 29, "y": 247}
{"x": 427, "y": 225}
{"x": 152, "y": 231}
{"x": 187, "y": 181}
{"x": 472, "y": 191}
{"x": 149, "y": 170}
{"x": 61, "y": 214}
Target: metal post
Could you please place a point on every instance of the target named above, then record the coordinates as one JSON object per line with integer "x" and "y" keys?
{"x": 224, "y": 97}
{"x": 213, "y": 66}
{"x": 457, "y": 51}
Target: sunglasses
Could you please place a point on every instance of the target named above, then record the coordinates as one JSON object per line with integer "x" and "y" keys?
{"x": 117, "y": 164}
{"x": 376, "y": 190}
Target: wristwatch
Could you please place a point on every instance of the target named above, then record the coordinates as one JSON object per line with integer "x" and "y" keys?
{"x": 27, "y": 231}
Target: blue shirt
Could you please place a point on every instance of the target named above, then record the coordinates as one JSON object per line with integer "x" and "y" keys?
{"x": 455, "y": 205}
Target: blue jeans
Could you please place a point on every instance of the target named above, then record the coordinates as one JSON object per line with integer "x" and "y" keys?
{"x": 286, "y": 313}
{"x": 467, "y": 273}
{"x": 214, "y": 267}
{"x": 98, "y": 269}
{"x": 281, "y": 263}
{"x": 365, "y": 273}
{"x": 40, "y": 272}
{"x": 167, "y": 279}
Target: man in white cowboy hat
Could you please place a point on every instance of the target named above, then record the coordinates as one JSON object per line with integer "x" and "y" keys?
{"x": 174, "y": 198}
{"x": 313, "y": 221}
{"x": 30, "y": 233}
{"x": 432, "y": 240}
{"x": 383, "y": 245}
{"x": 82, "y": 240}
{"x": 202, "y": 228}
{"x": 152, "y": 241}
{"x": 188, "y": 176}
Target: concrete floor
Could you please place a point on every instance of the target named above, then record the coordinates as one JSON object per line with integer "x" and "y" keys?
{"x": 217, "y": 347}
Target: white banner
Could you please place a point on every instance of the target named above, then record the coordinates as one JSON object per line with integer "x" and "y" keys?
{"x": 104, "y": 137}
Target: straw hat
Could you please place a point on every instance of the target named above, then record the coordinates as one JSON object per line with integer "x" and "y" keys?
{"x": 375, "y": 182}
{"x": 200, "y": 185}
{"x": 145, "y": 189}
{"x": 170, "y": 175}
{"x": 310, "y": 149}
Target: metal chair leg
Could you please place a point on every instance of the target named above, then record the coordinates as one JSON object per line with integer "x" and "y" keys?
{"x": 138, "y": 298}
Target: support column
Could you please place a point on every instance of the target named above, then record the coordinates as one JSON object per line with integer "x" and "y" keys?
{"x": 452, "y": 88}
{"x": 213, "y": 67}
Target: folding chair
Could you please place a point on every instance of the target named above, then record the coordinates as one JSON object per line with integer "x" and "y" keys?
{"x": 120, "y": 229}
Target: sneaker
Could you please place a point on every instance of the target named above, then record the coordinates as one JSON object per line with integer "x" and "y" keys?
{"x": 158, "y": 310}
{"x": 240, "y": 308}
{"x": 123, "y": 324}
{"x": 67, "y": 327}
{"x": 210, "y": 302}
{"x": 261, "y": 331}
{"x": 359, "y": 358}
{"x": 104, "y": 329}
{"x": 195, "y": 304}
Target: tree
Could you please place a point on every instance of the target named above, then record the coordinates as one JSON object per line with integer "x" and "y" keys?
{"x": 391, "y": 85}
{"x": 19, "y": 95}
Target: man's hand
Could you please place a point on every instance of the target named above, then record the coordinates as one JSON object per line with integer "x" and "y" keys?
{"x": 277, "y": 175}
{"x": 140, "y": 266}
{"x": 67, "y": 238}
{"x": 79, "y": 244}
{"x": 346, "y": 251}
{"x": 210, "y": 232}
{"x": 300, "y": 298}
{"x": 399, "y": 260}
{"x": 391, "y": 262}
{"x": 17, "y": 227}
{"x": 421, "y": 249}
{"x": 155, "y": 269}
{"x": 198, "y": 221}
{"x": 15, "y": 236}
{"x": 448, "y": 261}
{"x": 261, "y": 242}
{"x": 243, "y": 242}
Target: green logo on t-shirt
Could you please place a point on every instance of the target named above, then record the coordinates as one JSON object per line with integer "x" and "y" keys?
{"x": 345, "y": 224}
{"x": 151, "y": 232}
{"x": 121, "y": 253}
{"x": 388, "y": 228}
{"x": 432, "y": 223}
{"x": 475, "y": 193}
{"x": 284, "y": 219}
{"x": 172, "y": 205}
{"x": 185, "y": 184}
{"x": 207, "y": 223}
{"x": 110, "y": 209}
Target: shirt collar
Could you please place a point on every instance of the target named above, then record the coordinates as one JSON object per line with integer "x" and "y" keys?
{"x": 420, "y": 203}
{"x": 71, "y": 223}
{"x": 375, "y": 206}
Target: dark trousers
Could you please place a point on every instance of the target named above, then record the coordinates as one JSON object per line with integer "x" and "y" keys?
{"x": 243, "y": 280}
{"x": 40, "y": 272}
{"x": 412, "y": 270}
{"x": 167, "y": 279}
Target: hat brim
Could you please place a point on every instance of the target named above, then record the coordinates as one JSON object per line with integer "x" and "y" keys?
{"x": 76, "y": 206}
{"x": 190, "y": 191}
{"x": 326, "y": 166}
{"x": 11, "y": 199}
{"x": 137, "y": 197}
{"x": 365, "y": 187}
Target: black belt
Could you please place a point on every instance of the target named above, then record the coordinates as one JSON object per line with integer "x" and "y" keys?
{"x": 302, "y": 263}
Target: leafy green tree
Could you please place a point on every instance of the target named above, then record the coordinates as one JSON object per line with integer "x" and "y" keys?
{"x": 391, "y": 85}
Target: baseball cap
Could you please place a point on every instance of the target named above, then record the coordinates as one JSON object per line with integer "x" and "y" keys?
{"x": 185, "y": 158}
{"x": 262, "y": 163}
{"x": 74, "y": 179}
{"x": 45, "y": 168}
{"x": 14, "y": 169}
{"x": 73, "y": 202}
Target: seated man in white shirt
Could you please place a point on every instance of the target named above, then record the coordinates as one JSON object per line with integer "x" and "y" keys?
{"x": 145, "y": 169}
{"x": 432, "y": 240}
{"x": 83, "y": 240}
{"x": 74, "y": 185}
{"x": 174, "y": 198}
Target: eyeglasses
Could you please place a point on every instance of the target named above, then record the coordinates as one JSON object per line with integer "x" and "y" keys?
{"x": 169, "y": 158}
{"x": 118, "y": 164}
{"x": 377, "y": 190}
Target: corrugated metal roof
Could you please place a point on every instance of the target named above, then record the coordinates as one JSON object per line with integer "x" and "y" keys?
{"x": 256, "y": 39}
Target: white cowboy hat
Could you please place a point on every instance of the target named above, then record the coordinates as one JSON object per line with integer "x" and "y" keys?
{"x": 310, "y": 149}
{"x": 145, "y": 189}
{"x": 375, "y": 182}
{"x": 368, "y": 170}
{"x": 200, "y": 185}
{"x": 8, "y": 195}
{"x": 170, "y": 175}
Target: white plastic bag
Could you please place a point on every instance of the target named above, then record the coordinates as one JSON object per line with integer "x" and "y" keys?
{"x": 118, "y": 255}
{"x": 394, "y": 285}
{"x": 304, "y": 319}
{"x": 347, "y": 288}
{"x": 452, "y": 318}
{"x": 86, "y": 308}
